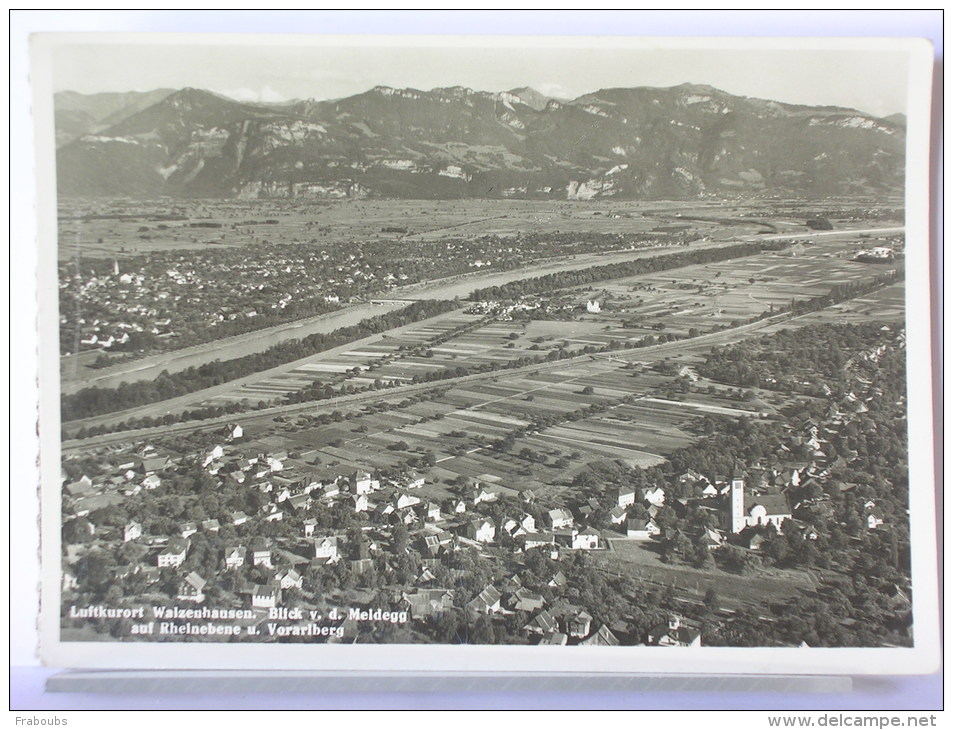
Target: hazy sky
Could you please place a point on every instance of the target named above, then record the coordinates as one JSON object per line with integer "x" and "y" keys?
{"x": 872, "y": 81}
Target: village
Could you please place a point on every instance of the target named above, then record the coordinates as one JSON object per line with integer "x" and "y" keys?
{"x": 228, "y": 526}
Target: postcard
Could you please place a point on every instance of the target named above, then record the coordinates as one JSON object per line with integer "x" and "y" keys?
{"x": 485, "y": 353}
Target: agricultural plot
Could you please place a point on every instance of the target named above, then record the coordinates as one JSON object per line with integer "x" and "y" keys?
{"x": 713, "y": 295}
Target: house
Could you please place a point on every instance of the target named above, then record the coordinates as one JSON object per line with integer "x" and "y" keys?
{"x": 429, "y": 545}
{"x": 426, "y": 576}
{"x": 192, "y": 588}
{"x": 211, "y": 526}
{"x": 300, "y": 502}
{"x": 361, "y": 482}
{"x": 487, "y": 601}
{"x": 618, "y": 515}
{"x": 525, "y": 600}
{"x": 528, "y": 522}
{"x": 262, "y": 557}
{"x": 479, "y": 495}
{"x": 289, "y": 578}
{"x": 674, "y": 633}
{"x": 556, "y": 638}
{"x": 624, "y": 497}
{"x": 875, "y": 516}
{"x": 132, "y": 531}
{"x": 655, "y": 497}
{"x": 432, "y": 513}
{"x": 603, "y": 636}
{"x": 217, "y": 452}
{"x": 359, "y": 502}
{"x": 151, "y": 481}
{"x": 268, "y": 596}
{"x": 407, "y": 500}
{"x": 587, "y": 539}
{"x": 233, "y": 432}
{"x": 457, "y": 506}
{"x": 239, "y": 518}
{"x": 755, "y": 541}
{"x": 584, "y": 510}
{"x": 481, "y": 531}
{"x": 642, "y": 529}
{"x": 428, "y": 602}
{"x": 579, "y": 625}
{"x": 413, "y": 481}
{"x": 558, "y": 580}
{"x": 309, "y": 526}
{"x": 152, "y": 464}
{"x": 559, "y": 519}
{"x": 234, "y": 557}
{"x": 326, "y": 548}
{"x": 330, "y": 491}
{"x": 537, "y": 539}
{"x": 173, "y": 555}
{"x": 542, "y": 623}
{"x": 187, "y": 529}
{"x": 275, "y": 516}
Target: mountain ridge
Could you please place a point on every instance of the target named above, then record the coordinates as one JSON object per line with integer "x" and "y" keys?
{"x": 686, "y": 141}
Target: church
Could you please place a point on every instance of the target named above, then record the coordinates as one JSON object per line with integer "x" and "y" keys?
{"x": 747, "y": 509}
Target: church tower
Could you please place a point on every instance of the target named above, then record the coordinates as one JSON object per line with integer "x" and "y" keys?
{"x": 738, "y": 501}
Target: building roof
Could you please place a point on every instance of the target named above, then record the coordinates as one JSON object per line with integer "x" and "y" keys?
{"x": 774, "y": 504}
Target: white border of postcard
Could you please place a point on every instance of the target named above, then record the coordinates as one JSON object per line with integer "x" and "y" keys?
{"x": 923, "y": 658}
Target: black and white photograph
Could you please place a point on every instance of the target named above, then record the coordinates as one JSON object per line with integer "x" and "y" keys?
{"x": 615, "y": 346}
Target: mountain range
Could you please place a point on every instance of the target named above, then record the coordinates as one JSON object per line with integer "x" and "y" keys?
{"x": 684, "y": 142}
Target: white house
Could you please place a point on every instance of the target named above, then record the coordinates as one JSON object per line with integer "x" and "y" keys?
{"x": 407, "y": 500}
{"x": 528, "y": 522}
{"x": 587, "y": 539}
{"x": 625, "y": 497}
{"x": 151, "y": 482}
{"x": 618, "y": 515}
{"x": 266, "y": 596}
{"x": 132, "y": 531}
{"x": 488, "y": 601}
{"x": 559, "y": 518}
{"x": 326, "y": 548}
{"x": 173, "y": 555}
{"x": 192, "y": 588}
{"x": 363, "y": 482}
{"x": 655, "y": 496}
{"x": 289, "y": 578}
{"x": 642, "y": 529}
{"x": 360, "y": 502}
{"x": 234, "y": 557}
{"x": 262, "y": 557}
{"x": 481, "y": 531}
